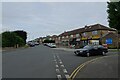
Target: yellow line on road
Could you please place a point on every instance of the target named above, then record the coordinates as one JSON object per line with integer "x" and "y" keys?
{"x": 75, "y": 72}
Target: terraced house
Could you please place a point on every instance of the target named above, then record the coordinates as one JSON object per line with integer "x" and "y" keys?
{"x": 93, "y": 34}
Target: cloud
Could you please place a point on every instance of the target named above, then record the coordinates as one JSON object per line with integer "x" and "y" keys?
{"x": 43, "y": 18}
{"x": 55, "y": 0}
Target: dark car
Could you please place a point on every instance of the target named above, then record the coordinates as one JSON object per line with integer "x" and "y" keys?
{"x": 91, "y": 50}
{"x": 31, "y": 44}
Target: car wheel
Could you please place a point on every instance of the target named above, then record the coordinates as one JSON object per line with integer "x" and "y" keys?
{"x": 88, "y": 54}
{"x": 103, "y": 53}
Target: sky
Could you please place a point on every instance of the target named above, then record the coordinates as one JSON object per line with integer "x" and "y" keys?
{"x": 39, "y": 19}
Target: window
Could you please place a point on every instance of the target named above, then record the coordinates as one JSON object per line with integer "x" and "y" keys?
{"x": 63, "y": 37}
{"x": 59, "y": 38}
{"x": 66, "y": 36}
{"x": 84, "y": 34}
{"x": 77, "y": 35}
{"x": 94, "y": 32}
{"x": 71, "y": 36}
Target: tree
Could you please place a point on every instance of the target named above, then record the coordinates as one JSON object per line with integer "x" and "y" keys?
{"x": 19, "y": 41}
{"x": 114, "y": 15}
{"x": 21, "y": 34}
{"x": 49, "y": 41}
{"x": 11, "y": 39}
{"x": 8, "y": 39}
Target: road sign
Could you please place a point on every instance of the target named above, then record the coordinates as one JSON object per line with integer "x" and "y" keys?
{"x": 109, "y": 41}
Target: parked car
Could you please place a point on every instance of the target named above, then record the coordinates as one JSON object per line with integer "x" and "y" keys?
{"x": 51, "y": 45}
{"x": 91, "y": 50}
{"x": 36, "y": 43}
{"x": 31, "y": 44}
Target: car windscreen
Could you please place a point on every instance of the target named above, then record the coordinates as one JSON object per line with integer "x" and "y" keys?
{"x": 87, "y": 47}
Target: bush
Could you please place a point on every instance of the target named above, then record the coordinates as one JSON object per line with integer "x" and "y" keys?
{"x": 112, "y": 47}
{"x": 49, "y": 41}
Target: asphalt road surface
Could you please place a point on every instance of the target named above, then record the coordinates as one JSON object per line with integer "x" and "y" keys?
{"x": 44, "y": 62}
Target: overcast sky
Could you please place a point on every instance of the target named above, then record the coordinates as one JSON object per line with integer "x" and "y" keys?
{"x": 39, "y": 19}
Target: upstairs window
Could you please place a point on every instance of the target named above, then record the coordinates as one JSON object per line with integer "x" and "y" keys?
{"x": 94, "y": 32}
{"x": 63, "y": 37}
{"x": 84, "y": 34}
{"x": 71, "y": 36}
{"x": 77, "y": 35}
{"x": 66, "y": 36}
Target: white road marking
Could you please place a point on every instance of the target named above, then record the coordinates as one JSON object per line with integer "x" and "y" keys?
{"x": 58, "y": 57}
{"x": 65, "y": 71}
{"x": 57, "y": 70}
{"x": 60, "y": 62}
{"x": 67, "y": 76}
{"x": 62, "y": 66}
{"x": 56, "y": 65}
{"x": 59, "y": 77}
{"x": 55, "y": 60}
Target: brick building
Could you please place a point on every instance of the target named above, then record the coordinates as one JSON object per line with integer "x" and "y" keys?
{"x": 92, "y": 34}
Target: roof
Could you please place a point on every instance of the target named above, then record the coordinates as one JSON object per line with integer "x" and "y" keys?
{"x": 54, "y": 36}
{"x": 87, "y": 29}
{"x": 111, "y": 34}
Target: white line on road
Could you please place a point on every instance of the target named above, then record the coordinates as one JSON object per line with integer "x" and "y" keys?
{"x": 57, "y": 70}
{"x": 57, "y": 66}
{"x": 60, "y": 62}
{"x": 58, "y": 57}
{"x": 67, "y": 76}
{"x": 59, "y": 77}
{"x": 62, "y": 66}
{"x": 65, "y": 71}
{"x": 55, "y": 60}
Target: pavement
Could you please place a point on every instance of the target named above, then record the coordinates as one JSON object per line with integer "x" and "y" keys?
{"x": 72, "y": 49}
{"x": 64, "y": 49}
{"x": 58, "y": 48}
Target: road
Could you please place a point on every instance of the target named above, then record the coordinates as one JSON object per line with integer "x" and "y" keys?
{"x": 44, "y": 62}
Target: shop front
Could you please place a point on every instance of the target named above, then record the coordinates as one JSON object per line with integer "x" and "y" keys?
{"x": 91, "y": 40}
